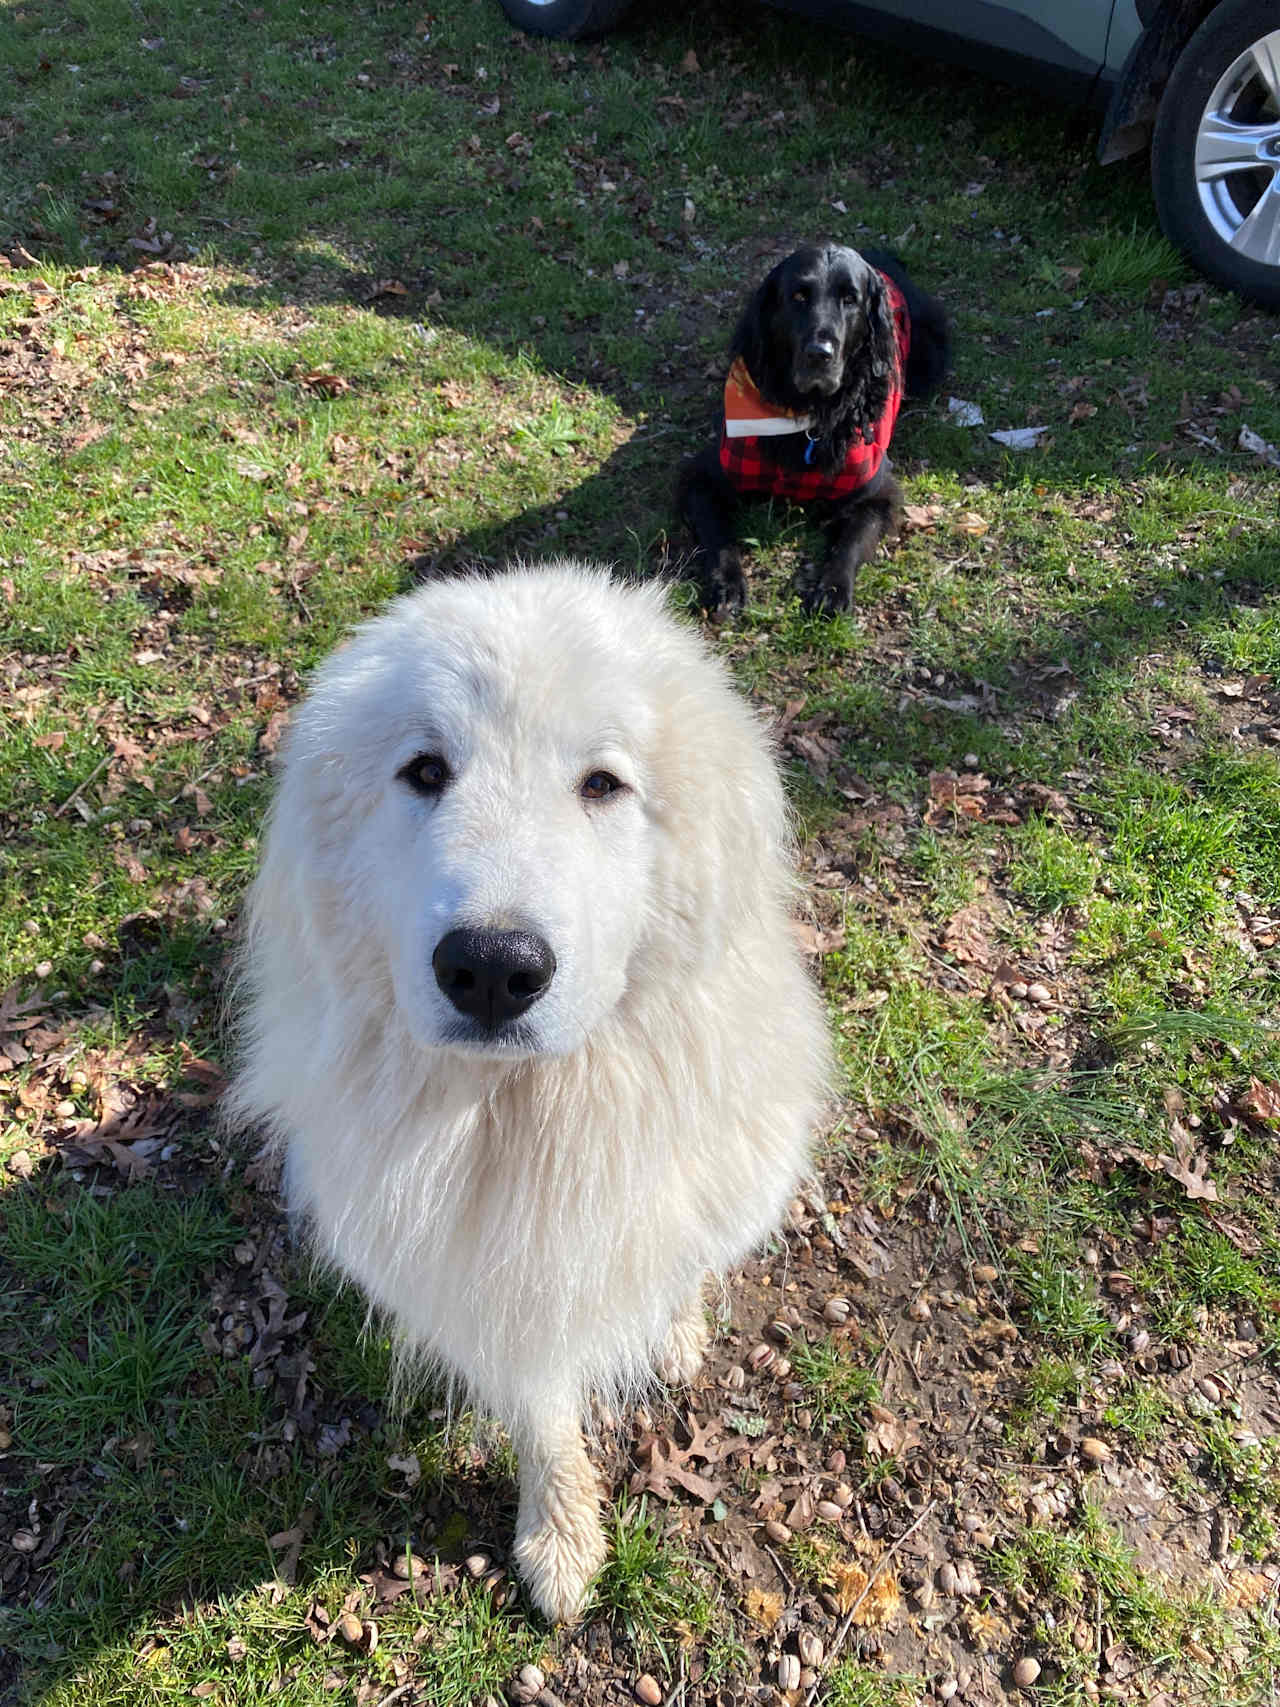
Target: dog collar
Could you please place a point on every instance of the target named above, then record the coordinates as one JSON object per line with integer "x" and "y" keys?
{"x": 748, "y": 415}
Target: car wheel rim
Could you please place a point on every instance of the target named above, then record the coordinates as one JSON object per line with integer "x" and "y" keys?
{"x": 1238, "y": 153}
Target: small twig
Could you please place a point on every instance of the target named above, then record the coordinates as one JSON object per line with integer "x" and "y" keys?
{"x": 80, "y": 787}
{"x": 781, "y": 1570}
{"x": 844, "y": 1629}
{"x": 396, "y": 1694}
{"x": 193, "y": 782}
{"x": 279, "y": 379}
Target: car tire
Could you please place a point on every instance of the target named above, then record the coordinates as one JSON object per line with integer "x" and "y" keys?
{"x": 569, "y": 20}
{"x": 1215, "y": 154}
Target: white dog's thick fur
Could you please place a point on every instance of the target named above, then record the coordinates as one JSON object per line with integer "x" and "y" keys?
{"x": 534, "y": 1205}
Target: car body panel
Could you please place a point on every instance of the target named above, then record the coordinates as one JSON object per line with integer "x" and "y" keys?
{"x": 1123, "y": 34}
{"x": 1061, "y": 49}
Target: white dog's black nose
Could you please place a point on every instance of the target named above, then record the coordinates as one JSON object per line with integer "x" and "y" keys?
{"x": 493, "y": 975}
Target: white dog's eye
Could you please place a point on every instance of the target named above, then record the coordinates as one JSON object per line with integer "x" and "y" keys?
{"x": 427, "y": 774}
{"x": 599, "y": 785}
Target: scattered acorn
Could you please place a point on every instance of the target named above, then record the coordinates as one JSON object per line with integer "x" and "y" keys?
{"x": 529, "y": 1683}
{"x": 351, "y": 1629}
{"x": 809, "y": 1647}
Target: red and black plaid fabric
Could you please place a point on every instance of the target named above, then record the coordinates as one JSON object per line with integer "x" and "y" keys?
{"x": 750, "y": 466}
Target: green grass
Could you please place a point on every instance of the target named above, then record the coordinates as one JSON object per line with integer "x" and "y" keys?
{"x": 854, "y": 1684}
{"x": 838, "y": 1386}
{"x": 431, "y": 297}
{"x": 651, "y": 1591}
{"x": 1069, "y": 1570}
{"x": 1059, "y": 1302}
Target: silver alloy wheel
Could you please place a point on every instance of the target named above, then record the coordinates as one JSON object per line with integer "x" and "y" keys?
{"x": 1238, "y": 153}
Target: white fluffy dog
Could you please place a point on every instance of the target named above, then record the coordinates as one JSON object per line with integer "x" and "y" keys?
{"x": 523, "y": 1005}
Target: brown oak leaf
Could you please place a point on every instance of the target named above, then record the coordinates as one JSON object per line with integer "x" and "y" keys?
{"x": 1261, "y": 1101}
{"x": 662, "y": 1462}
{"x": 1190, "y": 1170}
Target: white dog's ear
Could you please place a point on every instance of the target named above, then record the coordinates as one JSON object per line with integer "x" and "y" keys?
{"x": 732, "y": 811}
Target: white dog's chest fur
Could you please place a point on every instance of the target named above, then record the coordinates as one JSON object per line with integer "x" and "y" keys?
{"x": 537, "y": 1229}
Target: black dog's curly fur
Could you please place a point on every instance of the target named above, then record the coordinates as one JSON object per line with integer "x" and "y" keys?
{"x": 845, "y": 306}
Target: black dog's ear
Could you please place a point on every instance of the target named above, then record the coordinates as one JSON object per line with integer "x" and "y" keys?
{"x": 751, "y": 336}
{"x": 883, "y": 335}
{"x": 873, "y": 370}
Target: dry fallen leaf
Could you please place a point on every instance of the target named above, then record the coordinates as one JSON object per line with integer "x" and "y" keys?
{"x": 1261, "y": 1101}
{"x": 662, "y": 1461}
{"x": 273, "y": 733}
{"x": 955, "y": 796}
{"x": 814, "y": 941}
{"x": 326, "y": 384}
{"x": 922, "y": 516}
{"x": 886, "y": 1436}
{"x": 1185, "y": 1166}
{"x": 964, "y": 937}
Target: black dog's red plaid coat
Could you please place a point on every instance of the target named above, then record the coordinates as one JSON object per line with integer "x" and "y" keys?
{"x": 747, "y": 463}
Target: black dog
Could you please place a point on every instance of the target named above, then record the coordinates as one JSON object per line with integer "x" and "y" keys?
{"x": 826, "y": 350}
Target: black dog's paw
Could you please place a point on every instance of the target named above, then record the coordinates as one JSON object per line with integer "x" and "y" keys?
{"x": 724, "y": 582}
{"x": 828, "y": 594}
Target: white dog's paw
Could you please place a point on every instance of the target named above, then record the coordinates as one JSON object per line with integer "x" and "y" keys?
{"x": 686, "y": 1345}
{"x": 559, "y": 1548}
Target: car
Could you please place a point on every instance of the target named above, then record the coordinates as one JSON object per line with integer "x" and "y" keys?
{"x": 1196, "y": 81}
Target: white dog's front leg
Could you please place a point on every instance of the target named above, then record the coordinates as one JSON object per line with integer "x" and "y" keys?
{"x": 559, "y": 1542}
{"x": 686, "y": 1344}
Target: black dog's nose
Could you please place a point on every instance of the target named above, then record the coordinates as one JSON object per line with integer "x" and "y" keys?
{"x": 820, "y": 348}
{"x": 493, "y": 975}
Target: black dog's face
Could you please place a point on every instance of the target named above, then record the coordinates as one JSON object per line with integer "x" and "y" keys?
{"x": 819, "y": 312}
